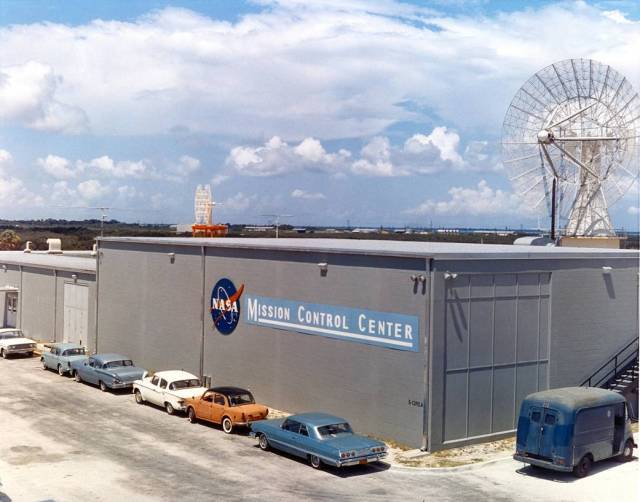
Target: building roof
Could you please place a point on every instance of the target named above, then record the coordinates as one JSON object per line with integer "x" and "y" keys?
{"x": 74, "y": 263}
{"x": 569, "y": 399}
{"x": 439, "y": 250}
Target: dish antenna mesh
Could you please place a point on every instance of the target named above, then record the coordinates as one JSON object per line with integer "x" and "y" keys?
{"x": 574, "y": 125}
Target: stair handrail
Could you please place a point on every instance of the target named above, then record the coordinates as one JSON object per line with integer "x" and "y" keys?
{"x": 616, "y": 364}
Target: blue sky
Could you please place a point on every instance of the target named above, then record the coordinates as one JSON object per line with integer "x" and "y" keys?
{"x": 376, "y": 112}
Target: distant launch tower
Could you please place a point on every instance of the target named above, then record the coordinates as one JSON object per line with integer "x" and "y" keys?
{"x": 203, "y": 226}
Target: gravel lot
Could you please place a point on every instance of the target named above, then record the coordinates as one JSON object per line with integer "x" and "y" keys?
{"x": 64, "y": 441}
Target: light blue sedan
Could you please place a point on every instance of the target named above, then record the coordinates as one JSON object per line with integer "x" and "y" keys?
{"x": 107, "y": 371}
{"x": 320, "y": 438}
{"x": 61, "y": 355}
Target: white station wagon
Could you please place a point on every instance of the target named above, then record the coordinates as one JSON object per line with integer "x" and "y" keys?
{"x": 13, "y": 342}
{"x": 168, "y": 389}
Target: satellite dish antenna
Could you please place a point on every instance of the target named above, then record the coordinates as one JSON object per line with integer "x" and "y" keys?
{"x": 570, "y": 140}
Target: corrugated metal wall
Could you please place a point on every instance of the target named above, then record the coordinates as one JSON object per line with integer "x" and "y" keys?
{"x": 496, "y": 350}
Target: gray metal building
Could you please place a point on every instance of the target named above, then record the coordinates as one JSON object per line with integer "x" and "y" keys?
{"x": 429, "y": 344}
{"x": 51, "y": 297}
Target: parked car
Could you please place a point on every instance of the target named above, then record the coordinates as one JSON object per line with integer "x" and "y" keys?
{"x": 227, "y": 406}
{"x": 108, "y": 371}
{"x": 13, "y": 341}
{"x": 169, "y": 389}
{"x": 569, "y": 429}
{"x": 320, "y": 438}
{"x": 60, "y": 356}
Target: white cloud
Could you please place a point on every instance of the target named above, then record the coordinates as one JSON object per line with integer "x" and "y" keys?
{"x": 13, "y": 193}
{"x": 303, "y": 194}
{"x": 276, "y": 157}
{"x": 219, "y": 179}
{"x": 239, "y": 202}
{"x": 120, "y": 169}
{"x": 92, "y": 189}
{"x": 187, "y": 165}
{"x": 28, "y": 97}
{"x": 481, "y": 200}
{"x": 633, "y": 210}
{"x": 55, "y": 166}
{"x": 444, "y": 141}
{"x": 127, "y": 192}
{"x": 5, "y": 160}
{"x": 309, "y": 69}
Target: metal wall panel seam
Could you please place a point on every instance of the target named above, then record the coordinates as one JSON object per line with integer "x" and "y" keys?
{"x": 202, "y": 317}
{"x": 97, "y": 301}
{"x": 427, "y": 356}
{"x": 493, "y": 350}
{"x": 55, "y": 302}
{"x": 515, "y": 368}
{"x": 20, "y": 295}
{"x": 466, "y": 430}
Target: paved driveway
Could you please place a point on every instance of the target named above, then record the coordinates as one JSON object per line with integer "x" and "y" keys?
{"x": 64, "y": 441}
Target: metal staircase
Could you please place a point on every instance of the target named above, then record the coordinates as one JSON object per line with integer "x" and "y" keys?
{"x": 620, "y": 374}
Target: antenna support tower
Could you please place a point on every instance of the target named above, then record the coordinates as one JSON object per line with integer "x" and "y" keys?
{"x": 204, "y": 226}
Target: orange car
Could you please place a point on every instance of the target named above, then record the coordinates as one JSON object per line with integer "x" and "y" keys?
{"x": 228, "y": 406}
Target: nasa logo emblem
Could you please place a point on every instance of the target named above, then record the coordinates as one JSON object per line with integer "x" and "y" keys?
{"x": 225, "y": 306}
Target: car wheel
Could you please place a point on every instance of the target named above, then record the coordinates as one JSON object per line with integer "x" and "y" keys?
{"x": 3, "y": 353}
{"x": 315, "y": 462}
{"x": 169, "y": 408}
{"x": 263, "y": 442}
{"x": 76, "y": 377}
{"x": 44, "y": 365}
{"x": 227, "y": 425}
{"x": 583, "y": 467}
{"x": 191, "y": 414}
{"x": 138, "y": 395}
{"x": 103, "y": 386}
{"x": 627, "y": 452}
{"x": 60, "y": 370}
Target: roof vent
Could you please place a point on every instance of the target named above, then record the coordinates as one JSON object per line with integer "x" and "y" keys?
{"x": 27, "y": 247}
{"x": 55, "y": 246}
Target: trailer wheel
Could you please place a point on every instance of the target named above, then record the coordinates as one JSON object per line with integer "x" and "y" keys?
{"x": 583, "y": 467}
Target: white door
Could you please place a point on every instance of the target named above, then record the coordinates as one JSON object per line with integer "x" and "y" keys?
{"x": 12, "y": 309}
{"x": 76, "y": 313}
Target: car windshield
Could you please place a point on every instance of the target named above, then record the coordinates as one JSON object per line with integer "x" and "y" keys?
{"x": 240, "y": 399}
{"x": 75, "y": 352}
{"x": 10, "y": 334}
{"x": 117, "y": 364}
{"x": 334, "y": 429}
{"x": 185, "y": 384}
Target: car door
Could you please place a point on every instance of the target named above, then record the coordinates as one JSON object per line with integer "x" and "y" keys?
{"x": 87, "y": 370}
{"x": 203, "y": 409}
{"x": 533, "y": 435}
{"x": 301, "y": 441}
{"x": 547, "y": 429}
{"x": 162, "y": 390}
{"x": 291, "y": 437}
{"x": 150, "y": 390}
{"x": 47, "y": 357}
{"x": 218, "y": 408}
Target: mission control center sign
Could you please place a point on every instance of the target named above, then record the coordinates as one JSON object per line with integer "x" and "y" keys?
{"x": 394, "y": 331}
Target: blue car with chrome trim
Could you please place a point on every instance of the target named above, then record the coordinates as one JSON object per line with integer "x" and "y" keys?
{"x": 569, "y": 429}
{"x": 107, "y": 371}
{"x": 60, "y": 356}
{"x": 320, "y": 438}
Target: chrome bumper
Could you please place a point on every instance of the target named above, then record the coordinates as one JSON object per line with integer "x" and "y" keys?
{"x": 542, "y": 463}
{"x": 19, "y": 351}
{"x": 361, "y": 460}
{"x": 122, "y": 385}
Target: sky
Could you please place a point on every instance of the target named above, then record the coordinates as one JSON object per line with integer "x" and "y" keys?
{"x": 335, "y": 112}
